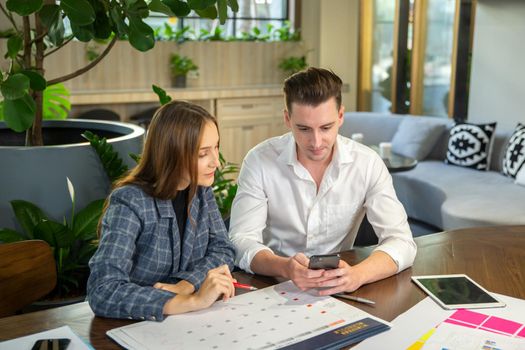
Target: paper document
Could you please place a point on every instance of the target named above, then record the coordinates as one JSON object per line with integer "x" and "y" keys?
{"x": 269, "y": 318}
{"x": 63, "y": 332}
{"x": 428, "y": 326}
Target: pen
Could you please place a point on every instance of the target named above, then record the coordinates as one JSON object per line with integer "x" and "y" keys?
{"x": 358, "y": 299}
{"x": 243, "y": 286}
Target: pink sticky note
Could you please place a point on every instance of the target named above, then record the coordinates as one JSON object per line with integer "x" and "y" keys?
{"x": 469, "y": 317}
{"x": 502, "y": 325}
{"x": 448, "y": 320}
{"x": 522, "y": 333}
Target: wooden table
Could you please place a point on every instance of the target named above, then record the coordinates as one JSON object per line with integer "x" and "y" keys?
{"x": 493, "y": 256}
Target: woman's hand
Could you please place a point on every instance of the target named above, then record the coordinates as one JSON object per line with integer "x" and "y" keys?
{"x": 218, "y": 282}
{"x": 182, "y": 287}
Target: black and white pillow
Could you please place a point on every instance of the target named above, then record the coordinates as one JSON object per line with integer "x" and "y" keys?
{"x": 515, "y": 154}
{"x": 470, "y": 145}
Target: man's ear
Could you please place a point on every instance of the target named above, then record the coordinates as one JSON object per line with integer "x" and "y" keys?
{"x": 287, "y": 120}
{"x": 341, "y": 115}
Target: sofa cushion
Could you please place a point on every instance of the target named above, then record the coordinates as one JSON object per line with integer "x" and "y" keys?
{"x": 515, "y": 152}
{"x": 375, "y": 127}
{"x": 415, "y": 137}
{"x": 470, "y": 145}
{"x": 450, "y": 197}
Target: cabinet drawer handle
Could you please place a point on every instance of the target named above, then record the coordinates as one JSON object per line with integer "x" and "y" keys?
{"x": 247, "y": 106}
{"x": 246, "y": 128}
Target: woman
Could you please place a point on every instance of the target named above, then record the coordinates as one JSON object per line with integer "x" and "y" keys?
{"x": 164, "y": 248}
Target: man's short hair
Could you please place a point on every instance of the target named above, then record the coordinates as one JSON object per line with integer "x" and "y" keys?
{"x": 312, "y": 87}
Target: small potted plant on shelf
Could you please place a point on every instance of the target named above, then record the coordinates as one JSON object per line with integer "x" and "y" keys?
{"x": 293, "y": 64}
{"x": 180, "y": 66}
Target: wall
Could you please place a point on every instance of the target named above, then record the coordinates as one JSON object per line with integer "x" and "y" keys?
{"x": 331, "y": 30}
{"x": 497, "y": 86}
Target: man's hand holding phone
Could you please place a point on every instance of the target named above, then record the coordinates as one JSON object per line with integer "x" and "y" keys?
{"x": 307, "y": 272}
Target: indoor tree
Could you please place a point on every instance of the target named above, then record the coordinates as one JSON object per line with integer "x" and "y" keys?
{"x": 38, "y": 30}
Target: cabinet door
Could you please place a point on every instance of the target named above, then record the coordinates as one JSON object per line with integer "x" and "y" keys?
{"x": 245, "y": 122}
{"x": 239, "y": 136}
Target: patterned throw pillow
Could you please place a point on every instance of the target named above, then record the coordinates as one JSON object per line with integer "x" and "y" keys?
{"x": 470, "y": 145}
{"x": 515, "y": 153}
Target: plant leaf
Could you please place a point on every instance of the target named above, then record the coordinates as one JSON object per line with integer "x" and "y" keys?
{"x": 233, "y": 5}
{"x": 140, "y": 34}
{"x": 139, "y": 9}
{"x": 161, "y": 93}
{"x": 14, "y": 45}
{"x": 179, "y": 8}
{"x": 36, "y": 80}
{"x": 112, "y": 163}
{"x": 83, "y": 33}
{"x": 209, "y": 12}
{"x": 20, "y": 113}
{"x": 86, "y": 221}
{"x": 200, "y": 4}
{"x": 79, "y": 12}
{"x": 56, "y": 104}
{"x": 24, "y": 7}
{"x": 54, "y": 233}
{"x": 56, "y": 32}
{"x": 28, "y": 215}
{"x": 223, "y": 10}
{"x": 160, "y": 7}
{"x": 7, "y": 236}
{"x": 49, "y": 15}
{"x": 15, "y": 86}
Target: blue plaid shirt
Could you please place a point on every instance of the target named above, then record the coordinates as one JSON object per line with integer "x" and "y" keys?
{"x": 140, "y": 246}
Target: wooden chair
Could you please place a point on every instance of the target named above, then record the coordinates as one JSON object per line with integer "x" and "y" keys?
{"x": 27, "y": 273}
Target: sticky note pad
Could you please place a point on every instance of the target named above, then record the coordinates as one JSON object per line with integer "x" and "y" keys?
{"x": 468, "y": 316}
{"x": 501, "y": 325}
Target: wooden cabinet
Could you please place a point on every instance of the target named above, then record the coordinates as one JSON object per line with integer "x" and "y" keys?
{"x": 245, "y": 122}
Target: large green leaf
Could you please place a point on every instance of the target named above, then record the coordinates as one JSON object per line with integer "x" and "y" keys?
{"x": 102, "y": 26}
{"x": 15, "y": 86}
{"x": 56, "y": 104}
{"x": 24, "y": 7}
{"x": 54, "y": 233}
{"x": 118, "y": 22}
{"x": 140, "y": 34}
{"x": 233, "y": 5}
{"x": 83, "y": 33}
{"x": 138, "y": 9}
{"x": 49, "y": 15}
{"x": 56, "y": 32}
{"x": 14, "y": 45}
{"x": 28, "y": 215}
{"x": 161, "y": 93}
{"x": 86, "y": 221}
{"x": 20, "y": 113}
{"x": 7, "y": 236}
{"x": 223, "y": 10}
{"x": 209, "y": 12}
{"x": 158, "y": 6}
{"x": 201, "y": 4}
{"x": 79, "y": 12}
{"x": 36, "y": 80}
{"x": 112, "y": 163}
{"x": 179, "y": 8}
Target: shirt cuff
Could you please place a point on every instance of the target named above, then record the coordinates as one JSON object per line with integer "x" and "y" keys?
{"x": 246, "y": 260}
{"x": 404, "y": 257}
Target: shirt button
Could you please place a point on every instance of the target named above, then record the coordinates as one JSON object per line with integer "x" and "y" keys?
{"x": 153, "y": 318}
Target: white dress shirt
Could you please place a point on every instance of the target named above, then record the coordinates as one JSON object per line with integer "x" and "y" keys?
{"x": 278, "y": 206}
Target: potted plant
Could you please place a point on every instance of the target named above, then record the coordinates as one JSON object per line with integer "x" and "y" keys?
{"x": 179, "y": 67}
{"x": 37, "y": 31}
{"x": 293, "y": 64}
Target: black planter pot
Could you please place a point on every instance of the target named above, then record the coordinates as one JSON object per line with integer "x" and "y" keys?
{"x": 38, "y": 174}
{"x": 179, "y": 81}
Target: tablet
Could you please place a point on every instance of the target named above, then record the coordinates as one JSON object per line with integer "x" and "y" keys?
{"x": 456, "y": 292}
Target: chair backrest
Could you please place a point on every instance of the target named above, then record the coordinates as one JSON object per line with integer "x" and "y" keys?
{"x": 27, "y": 273}
{"x": 100, "y": 114}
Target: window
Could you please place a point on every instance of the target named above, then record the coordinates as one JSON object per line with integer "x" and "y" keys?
{"x": 255, "y": 20}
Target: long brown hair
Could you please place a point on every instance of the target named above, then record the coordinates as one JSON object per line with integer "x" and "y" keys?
{"x": 170, "y": 154}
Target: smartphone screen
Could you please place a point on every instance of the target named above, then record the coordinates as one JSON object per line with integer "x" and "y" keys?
{"x": 51, "y": 344}
{"x": 326, "y": 262}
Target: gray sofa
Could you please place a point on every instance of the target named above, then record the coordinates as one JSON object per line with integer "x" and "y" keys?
{"x": 441, "y": 195}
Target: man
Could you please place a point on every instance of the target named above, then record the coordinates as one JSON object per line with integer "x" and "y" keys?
{"x": 306, "y": 193}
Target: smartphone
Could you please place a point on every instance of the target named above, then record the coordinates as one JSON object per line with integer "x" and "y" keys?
{"x": 51, "y": 344}
{"x": 325, "y": 262}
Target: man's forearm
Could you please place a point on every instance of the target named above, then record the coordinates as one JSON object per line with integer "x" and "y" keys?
{"x": 377, "y": 266}
{"x": 268, "y": 264}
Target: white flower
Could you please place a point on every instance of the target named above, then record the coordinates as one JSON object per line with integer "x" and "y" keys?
{"x": 71, "y": 190}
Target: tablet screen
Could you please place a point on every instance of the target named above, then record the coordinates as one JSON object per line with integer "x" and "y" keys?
{"x": 456, "y": 291}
